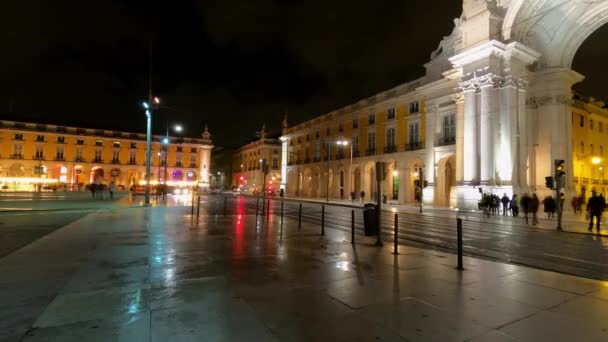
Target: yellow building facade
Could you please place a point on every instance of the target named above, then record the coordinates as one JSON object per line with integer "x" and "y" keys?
{"x": 69, "y": 157}
{"x": 248, "y": 174}
{"x": 589, "y": 141}
{"x": 389, "y": 127}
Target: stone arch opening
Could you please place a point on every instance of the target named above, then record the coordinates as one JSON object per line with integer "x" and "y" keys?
{"x": 446, "y": 180}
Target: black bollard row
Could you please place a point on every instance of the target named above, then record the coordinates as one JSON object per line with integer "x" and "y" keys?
{"x": 459, "y": 232}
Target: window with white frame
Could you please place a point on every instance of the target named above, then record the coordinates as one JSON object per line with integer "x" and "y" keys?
{"x": 414, "y": 107}
{"x": 371, "y": 141}
{"x": 355, "y": 144}
{"x": 414, "y": 133}
{"x": 59, "y": 155}
{"x": 132, "y": 157}
{"x": 97, "y": 154}
{"x": 390, "y": 138}
{"x": 115, "y": 156}
{"x": 449, "y": 128}
{"x": 18, "y": 150}
{"x": 390, "y": 114}
{"x": 39, "y": 152}
{"x": 79, "y": 153}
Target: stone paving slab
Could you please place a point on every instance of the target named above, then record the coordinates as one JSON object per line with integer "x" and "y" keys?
{"x": 151, "y": 274}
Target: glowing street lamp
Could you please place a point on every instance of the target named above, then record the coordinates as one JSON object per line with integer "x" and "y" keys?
{"x": 148, "y": 149}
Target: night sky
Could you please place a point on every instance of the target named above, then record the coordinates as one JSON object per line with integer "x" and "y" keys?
{"x": 233, "y": 64}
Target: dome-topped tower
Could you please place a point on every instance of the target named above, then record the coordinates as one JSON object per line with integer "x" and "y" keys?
{"x": 205, "y": 157}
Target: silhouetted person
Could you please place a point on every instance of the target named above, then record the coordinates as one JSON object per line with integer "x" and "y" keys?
{"x": 595, "y": 208}
{"x": 513, "y": 206}
{"x": 93, "y": 188}
{"x": 505, "y": 204}
{"x": 534, "y": 204}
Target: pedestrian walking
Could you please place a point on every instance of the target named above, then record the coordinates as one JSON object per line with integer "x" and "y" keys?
{"x": 505, "y": 204}
{"x": 513, "y": 206}
{"x": 362, "y": 196}
{"x": 534, "y": 204}
{"x": 112, "y": 189}
{"x": 549, "y": 206}
{"x": 595, "y": 207}
{"x": 93, "y": 189}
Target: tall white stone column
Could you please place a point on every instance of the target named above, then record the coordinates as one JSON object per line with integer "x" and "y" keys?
{"x": 486, "y": 130}
{"x": 459, "y": 99}
{"x": 470, "y": 133}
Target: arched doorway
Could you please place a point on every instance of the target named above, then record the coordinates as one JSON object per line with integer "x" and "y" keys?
{"x": 356, "y": 181}
{"x": 97, "y": 175}
{"x": 446, "y": 179}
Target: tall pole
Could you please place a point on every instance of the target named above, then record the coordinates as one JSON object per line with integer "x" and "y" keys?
{"x": 148, "y": 152}
{"x": 149, "y": 128}
{"x": 166, "y": 150}
{"x": 421, "y": 186}
{"x": 328, "y": 158}
{"x": 350, "y": 173}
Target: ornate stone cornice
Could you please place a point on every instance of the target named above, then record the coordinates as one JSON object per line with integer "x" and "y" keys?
{"x": 540, "y": 101}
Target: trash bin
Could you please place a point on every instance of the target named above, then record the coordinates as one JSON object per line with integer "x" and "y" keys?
{"x": 370, "y": 219}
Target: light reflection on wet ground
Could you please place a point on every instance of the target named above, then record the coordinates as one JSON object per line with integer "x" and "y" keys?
{"x": 156, "y": 274}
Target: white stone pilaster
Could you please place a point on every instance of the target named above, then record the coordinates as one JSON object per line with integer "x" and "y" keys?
{"x": 486, "y": 130}
{"x": 470, "y": 134}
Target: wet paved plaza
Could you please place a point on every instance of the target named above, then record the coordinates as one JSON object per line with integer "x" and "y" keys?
{"x": 151, "y": 274}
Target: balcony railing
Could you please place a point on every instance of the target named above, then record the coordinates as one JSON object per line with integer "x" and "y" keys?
{"x": 132, "y": 162}
{"x": 115, "y": 161}
{"x": 291, "y": 163}
{"x": 414, "y": 146}
{"x": 390, "y": 149}
{"x": 193, "y": 165}
{"x": 17, "y": 156}
{"x": 178, "y": 164}
{"x": 446, "y": 141}
{"x": 356, "y": 154}
{"x": 59, "y": 158}
{"x": 38, "y": 157}
{"x": 370, "y": 152}
{"x": 79, "y": 160}
{"x": 97, "y": 160}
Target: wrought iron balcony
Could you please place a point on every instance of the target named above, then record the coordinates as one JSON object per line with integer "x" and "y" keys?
{"x": 59, "y": 158}
{"x": 115, "y": 161}
{"x": 390, "y": 149}
{"x": 414, "y": 146}
{"x": 97, "y": 160}
{"x": 370, "y": 152}
{"x": 17, "y": 156}
{"x": 79, "y": 160}
{"x": 446, "y": 141}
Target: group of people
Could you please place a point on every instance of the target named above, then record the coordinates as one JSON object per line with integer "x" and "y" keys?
{"x": 98, "y": 190}
{"x": 491, "y": 203}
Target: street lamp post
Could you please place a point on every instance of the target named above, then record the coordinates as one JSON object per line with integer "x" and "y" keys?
{"x": 148, "y": 149}
{"x": 347, "y": 143}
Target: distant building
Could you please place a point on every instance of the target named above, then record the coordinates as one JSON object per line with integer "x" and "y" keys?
{"x": 247, "y": 164}
{"x": 589, "y": 141}
{"x": 69, "y": 157}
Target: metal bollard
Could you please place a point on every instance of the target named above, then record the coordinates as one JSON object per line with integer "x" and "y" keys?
{"x": 281, "y": 211}
{"x": 322, "y": 220}
{"x": 198, "y": 206}
{"x": 192, "y": 206}
{"x": 225, "y": 205}
{"x": 300, "y": 217}
{"x": 352, "y": 227}
{"x": 459, "y": 231}
{"x": 396, "y": 237}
